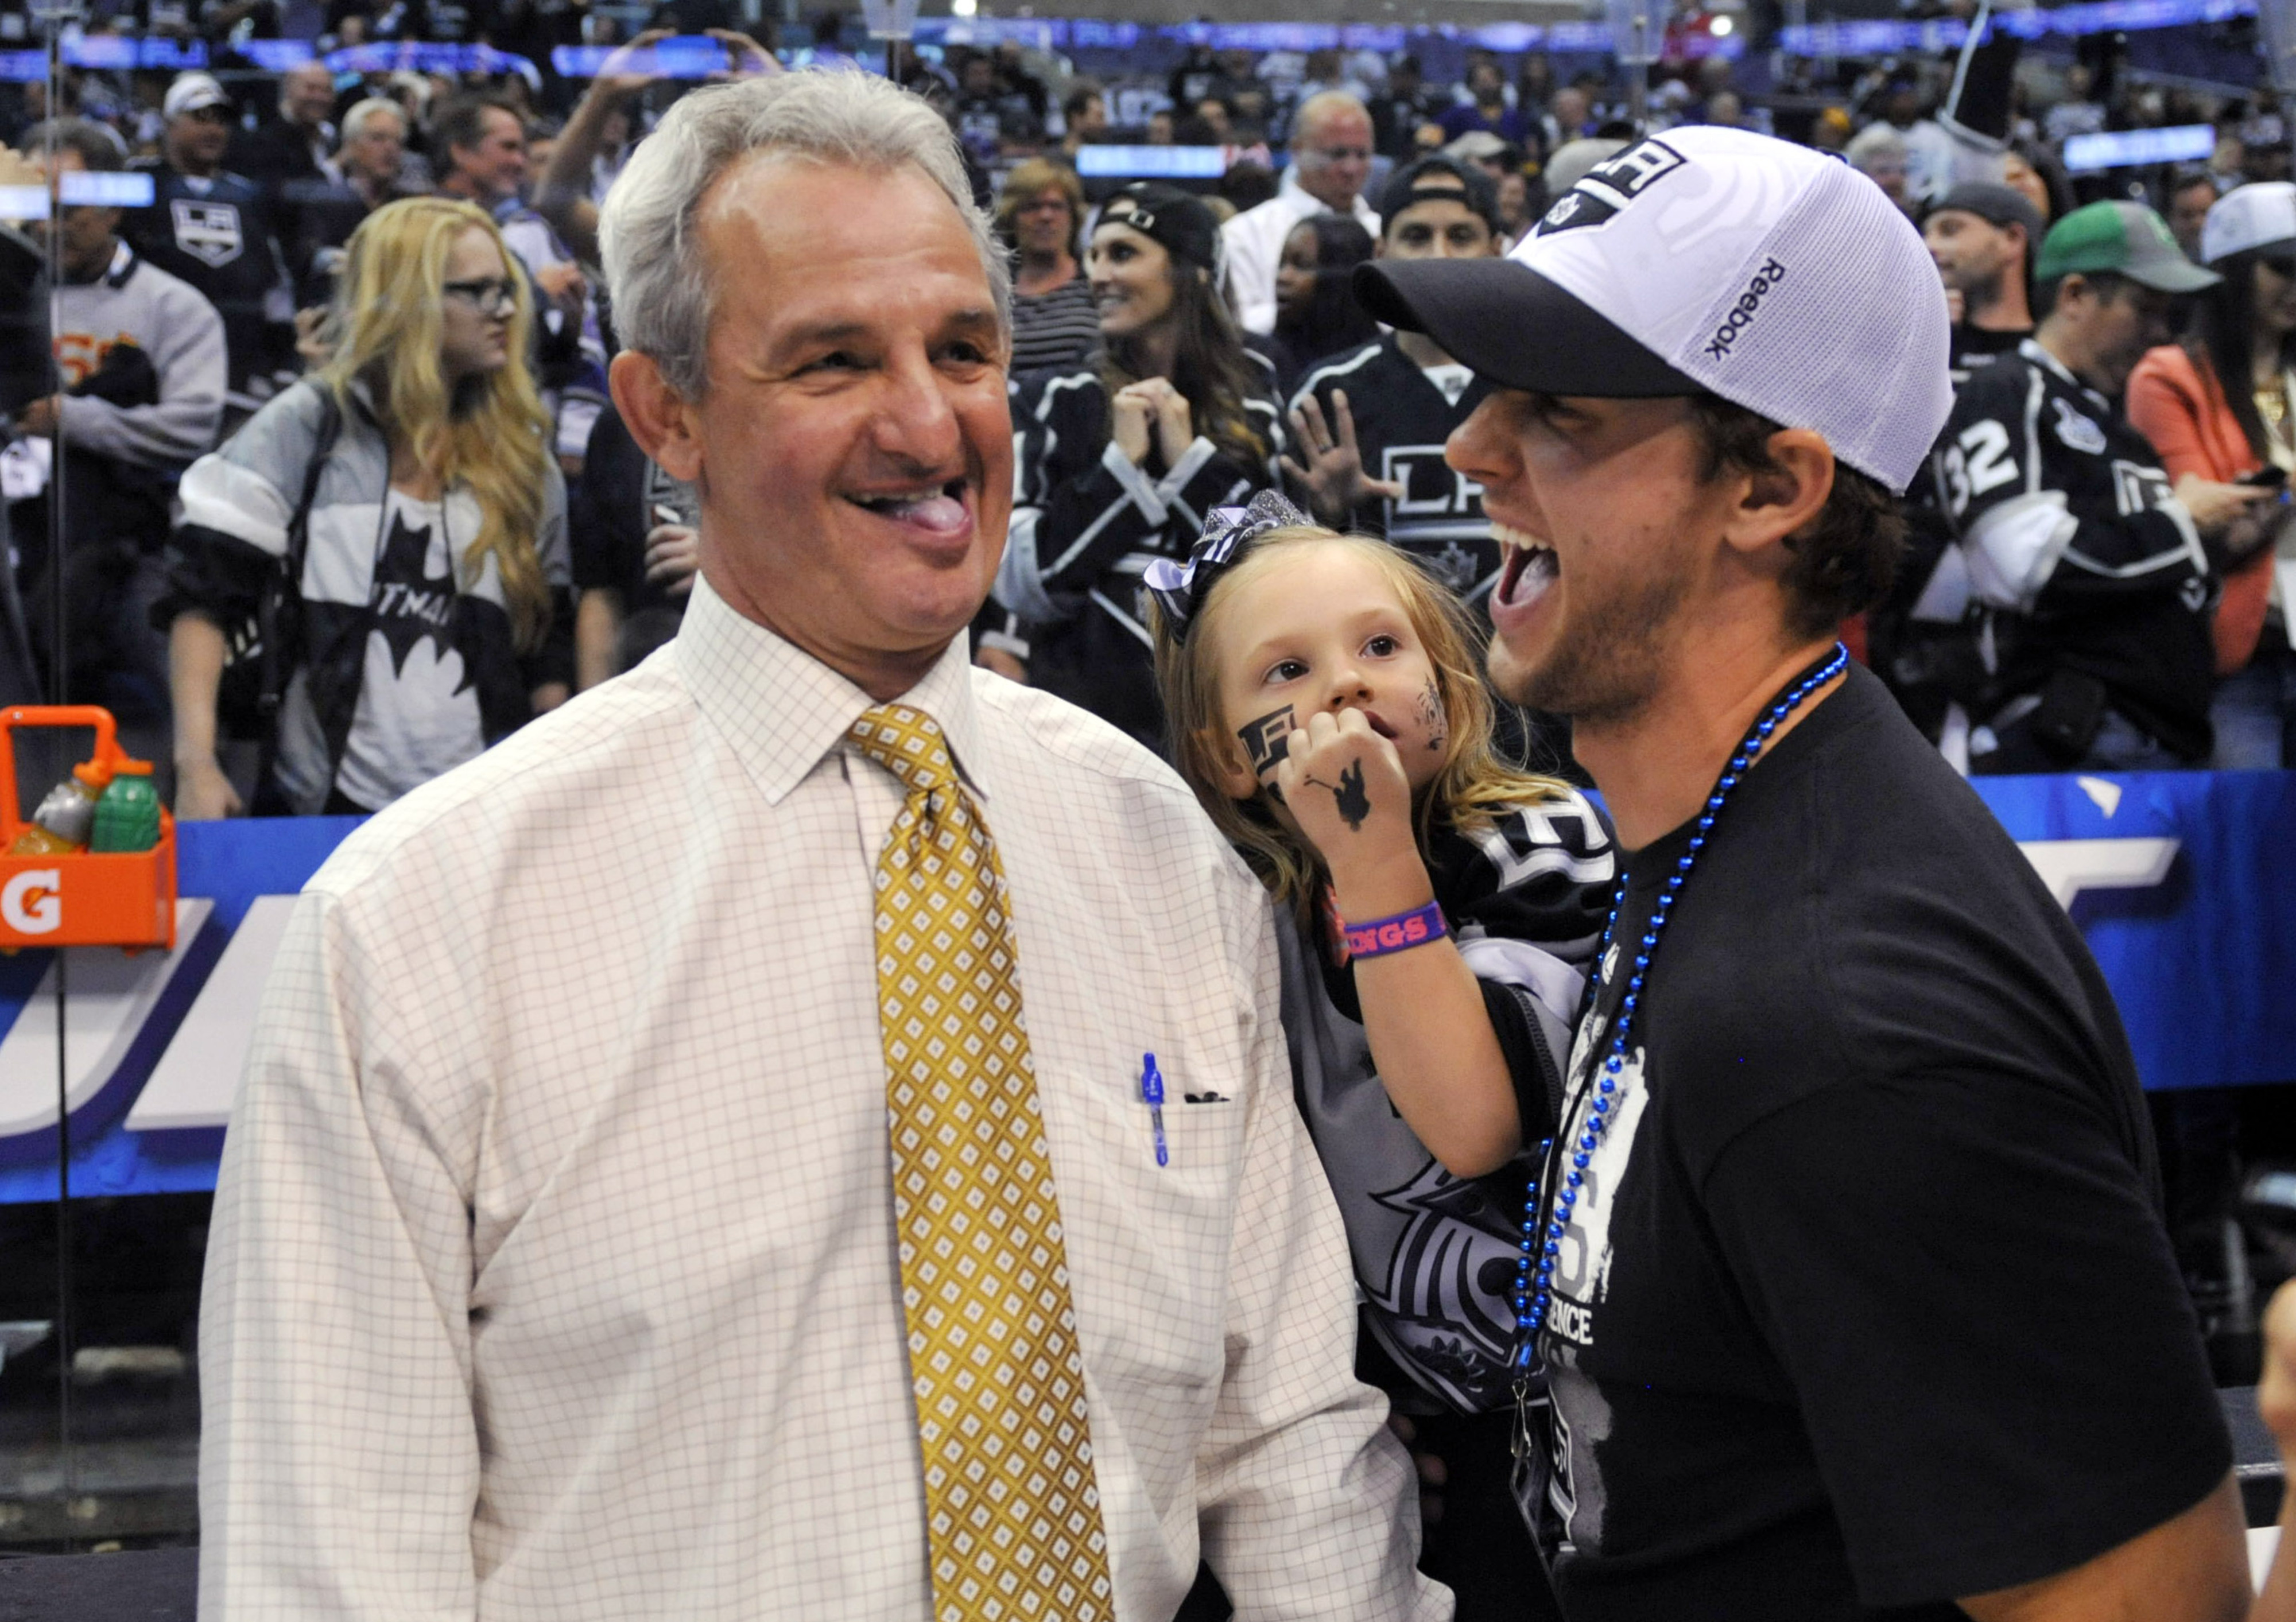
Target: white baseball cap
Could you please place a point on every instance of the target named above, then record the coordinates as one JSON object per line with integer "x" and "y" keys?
{"x": 1708, "y": 261}
{"x": 2262, "y": 214}
{"x": 189, "y": 92}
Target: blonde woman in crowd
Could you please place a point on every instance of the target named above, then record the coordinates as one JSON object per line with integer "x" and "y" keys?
{"x": 408, "y": 490}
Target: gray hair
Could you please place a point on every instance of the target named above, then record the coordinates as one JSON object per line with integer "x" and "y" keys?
{"x": 1875, "y": 141}
{"x": 654, "y": 267}
{"x": 365, "y": 112}
{"x": 99, "y": 145}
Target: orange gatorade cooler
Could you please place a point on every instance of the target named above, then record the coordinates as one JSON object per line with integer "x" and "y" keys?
{"x": 81, "y": 898}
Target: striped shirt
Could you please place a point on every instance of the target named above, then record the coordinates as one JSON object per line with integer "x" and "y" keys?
{"x": 1056, "y": 329}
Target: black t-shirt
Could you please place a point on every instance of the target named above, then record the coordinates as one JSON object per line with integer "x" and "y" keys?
{"x": 217, "y": 234}
{"x": 1865, "y": 1302}
{"x": 622, "y": 496}
{"x": 618, "y": 500}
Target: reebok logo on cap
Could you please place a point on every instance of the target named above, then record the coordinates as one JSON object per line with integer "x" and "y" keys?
{"x": 1709, "y": 261}
{"x": 1742, "y": 316}
{"x": 1609, "y": 187}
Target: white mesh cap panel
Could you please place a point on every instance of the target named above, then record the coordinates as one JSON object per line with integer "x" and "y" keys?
{"x": 1838, "y": 323}
{"x": 1684, "y": 231}
{"x": 1777, "y": 277}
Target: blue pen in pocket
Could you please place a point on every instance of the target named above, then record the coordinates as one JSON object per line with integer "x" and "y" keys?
{"x": 1152, "y": 1089}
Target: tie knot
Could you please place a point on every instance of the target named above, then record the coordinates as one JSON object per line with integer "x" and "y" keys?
{"x": 908, "y": 743}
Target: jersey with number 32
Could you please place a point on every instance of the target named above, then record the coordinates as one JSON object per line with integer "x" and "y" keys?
{"x": 2075, "y": 545}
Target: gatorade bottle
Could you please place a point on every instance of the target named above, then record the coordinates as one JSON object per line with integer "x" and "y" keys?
{"x": 128, "y": 817}
{"x": 61, "y": 826}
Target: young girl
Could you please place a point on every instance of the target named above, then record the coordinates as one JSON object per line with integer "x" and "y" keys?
{"x": 1437, "y": 910}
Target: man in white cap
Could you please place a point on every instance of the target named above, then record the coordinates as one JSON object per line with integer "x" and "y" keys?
{"x": 1847, "y": 1268}
{"x": 214, "y": 229}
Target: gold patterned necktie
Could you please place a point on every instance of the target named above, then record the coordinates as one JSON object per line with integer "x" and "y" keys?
{"x": 1011, "y": 1507}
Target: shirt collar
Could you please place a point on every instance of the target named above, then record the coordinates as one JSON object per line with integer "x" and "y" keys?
{"x": 2031, "y": 350}
{"x": 783, "y": 709}
{"x": 1305, "y": 204}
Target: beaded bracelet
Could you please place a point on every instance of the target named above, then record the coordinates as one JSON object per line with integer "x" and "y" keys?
{"x": 1399, "y": 933}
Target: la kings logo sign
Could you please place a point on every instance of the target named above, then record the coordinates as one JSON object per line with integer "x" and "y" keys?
{"x": 1610, "y": 186}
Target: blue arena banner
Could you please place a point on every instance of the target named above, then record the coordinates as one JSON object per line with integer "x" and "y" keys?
{"x": 2184, "y": 883}
{"x": 1879, "y": 37}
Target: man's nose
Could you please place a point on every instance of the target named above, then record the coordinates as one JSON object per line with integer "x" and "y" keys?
{"x": 1474, "y": 446}
{"x": 917, "y": 419}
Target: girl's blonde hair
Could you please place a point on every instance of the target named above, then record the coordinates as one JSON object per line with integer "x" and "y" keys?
{"x": 1474, "y": 785}
{"x": 488, "y": 432}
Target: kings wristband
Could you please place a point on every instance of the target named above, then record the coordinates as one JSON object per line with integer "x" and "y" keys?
{"x": 1399, "y": 933}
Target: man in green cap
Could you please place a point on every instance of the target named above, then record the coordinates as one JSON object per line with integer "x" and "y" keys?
{"x": 2078, "y": 568}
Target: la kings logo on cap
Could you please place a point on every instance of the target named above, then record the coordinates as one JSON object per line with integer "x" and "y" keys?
{"x": 1610, "y": 186}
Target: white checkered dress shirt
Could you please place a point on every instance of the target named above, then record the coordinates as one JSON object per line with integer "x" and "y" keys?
{"x": 552, "y": 1269}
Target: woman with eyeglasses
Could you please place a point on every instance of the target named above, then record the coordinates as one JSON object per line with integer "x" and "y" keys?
{"x": 2217, "y": 407}
{"x": 1038, "y": 214}
{"x": 1120, "y": 460}
{"x": 409, "y": 489}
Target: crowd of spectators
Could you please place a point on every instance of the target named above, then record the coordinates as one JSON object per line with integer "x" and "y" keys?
{"x": 1177, "y": 344}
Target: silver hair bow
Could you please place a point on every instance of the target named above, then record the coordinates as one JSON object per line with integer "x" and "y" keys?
{"x": 1180, "y": 588}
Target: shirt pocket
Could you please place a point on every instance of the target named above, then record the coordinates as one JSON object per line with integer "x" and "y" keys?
{"x": 1149, "y": 1243}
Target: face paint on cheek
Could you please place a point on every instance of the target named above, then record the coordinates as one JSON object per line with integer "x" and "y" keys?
{"x": 1266, "y": 740}
{"x": 1429, "y": 706}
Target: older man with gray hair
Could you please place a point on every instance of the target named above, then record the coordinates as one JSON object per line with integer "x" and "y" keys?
{"x": 804, "y": 1130}
{"x": 1331, "y": 160}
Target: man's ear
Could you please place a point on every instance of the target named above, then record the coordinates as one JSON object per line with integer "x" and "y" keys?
{"x": 1230, "y": 770}
{"x": 657, "y": 415}
{"x": 1784, "y": 498}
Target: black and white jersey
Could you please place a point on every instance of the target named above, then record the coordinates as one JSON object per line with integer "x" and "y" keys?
{"x": 215, "y": 233}
{"x": 1086, "y": 523}
{"x": 1972, "y": 348}
{"x": 2073, "y": 552}
{"x": 1403, "y": 414}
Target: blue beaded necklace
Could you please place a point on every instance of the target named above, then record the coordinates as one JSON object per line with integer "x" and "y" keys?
{"x": 1531, "y": 1299}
